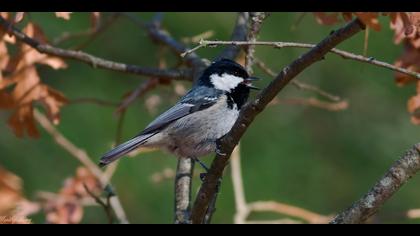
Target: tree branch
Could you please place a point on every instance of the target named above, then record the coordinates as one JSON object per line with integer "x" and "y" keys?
{"x": 399, "y": 173}
{"x": 343, "y": 54}
{"x": 96, "y": 62}
{"x": 183, "y": 183}
{"x": 257, "y": 18}
{"x": 252, "y": 109}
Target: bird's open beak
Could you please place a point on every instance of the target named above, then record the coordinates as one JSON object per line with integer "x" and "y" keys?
{"x": 248, "y": 82}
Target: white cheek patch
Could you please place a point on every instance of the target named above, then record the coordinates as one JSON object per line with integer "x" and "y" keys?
{"x": 225, "y": 82}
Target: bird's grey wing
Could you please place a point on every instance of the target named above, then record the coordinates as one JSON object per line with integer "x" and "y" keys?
{"x": 196, "y": 100}
{"x": 174, "y": 113}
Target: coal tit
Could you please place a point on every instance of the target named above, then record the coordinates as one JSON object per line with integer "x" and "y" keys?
{"x": 192, "y": 126}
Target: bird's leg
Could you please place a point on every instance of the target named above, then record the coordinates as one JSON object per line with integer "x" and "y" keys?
{"x": 202, "y": 175}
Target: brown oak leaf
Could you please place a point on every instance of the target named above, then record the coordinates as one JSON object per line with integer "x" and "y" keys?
{"x": 410, "y": 60}
{"x": 28, "y": 88}
{"x": 370, "y": 19}
{"x": 413, "y": 106}
{"x": 66, "y": 207}
{"x": 325, "y": 18}
{"x": 10, "y": 191}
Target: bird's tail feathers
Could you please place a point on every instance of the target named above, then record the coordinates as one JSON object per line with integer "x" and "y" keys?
{"x": 122, "y": 149}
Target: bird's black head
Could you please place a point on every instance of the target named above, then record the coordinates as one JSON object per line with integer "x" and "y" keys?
{"x": 230, "y": 77}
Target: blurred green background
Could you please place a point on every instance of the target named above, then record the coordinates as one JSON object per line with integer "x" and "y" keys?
{"x": 304, "y": 156}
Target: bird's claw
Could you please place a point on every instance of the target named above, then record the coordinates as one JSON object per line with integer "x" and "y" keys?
{"x": 203, "y": 176}
{"x": 218, "y": 151}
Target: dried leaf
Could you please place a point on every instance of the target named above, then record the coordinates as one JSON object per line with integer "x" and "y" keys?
{"x": 410, "y": 59}
{"x": 53, "y": 101}
{"x": 347, "y": 16}
{"x": 370, "y": 19}
{"x": 25, "y": 208}
{"x": 19, "y": 17}
{"x": 406, "y": 27}
{"x": 5, "y": 15}
{"x": 66, "y": 207}
{"x": 10, "y": 191}
{"x": 326, "y": 19}
{"x": 63, "y": 15}
{"x": 413, "y": 106}
{"x": 63, "y": 211}
{"x": 23, "y": 120}
{"x": 28, "y": 87}
{"x": 31, "y": 56}
{"x": 6, "y": 100}
{"x": 415, "y": 21}
{"x": 76, "y": 186}
{"x": 4, "y": 60}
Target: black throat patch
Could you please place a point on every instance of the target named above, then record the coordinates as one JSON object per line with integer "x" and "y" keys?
{"x": 238, "y": 96}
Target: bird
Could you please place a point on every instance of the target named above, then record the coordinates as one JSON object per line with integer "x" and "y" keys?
{"x": 192, "y": 127}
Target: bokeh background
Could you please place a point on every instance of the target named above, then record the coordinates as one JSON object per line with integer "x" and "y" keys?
{"x": 304, "y": 156}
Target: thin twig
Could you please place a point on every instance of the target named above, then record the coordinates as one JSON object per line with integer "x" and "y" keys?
{"x": 366, "y": 42}
{"x": 81, "y": 156}
{"x": 105, "y": 205}
{"x": 96, "y": 62}
{"x": 242, "y": 210}
{"x": 96, "y": 101}
{"x": 253, "y": 108}
{"x": 143, "y": 87}
{"x": 299, "y": 84}
{"x": 343, "y": 54}
{"x": 399, "y": 173}
{"x": 93, "y": 32}
{"x": 257, "y": 18}
{"x": 281, "y": 208}
{"x": 313, "y": 102}
{"x": 63, "y": 142}
{"x": 279, "y": 221}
